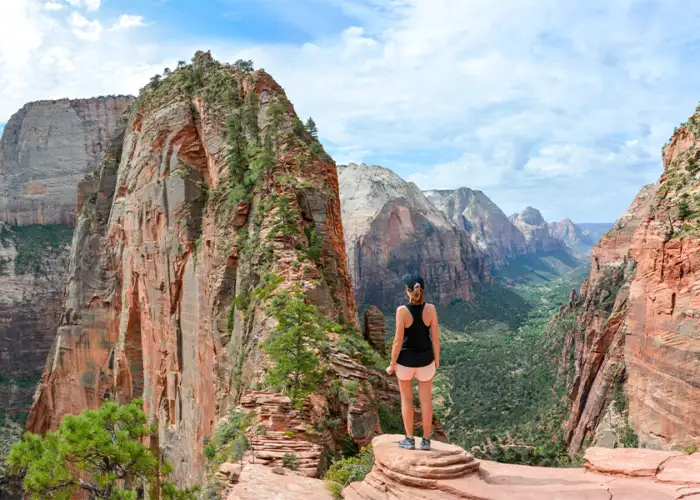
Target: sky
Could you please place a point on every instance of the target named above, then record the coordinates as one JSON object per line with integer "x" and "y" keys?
{"x": 563, "y": 106}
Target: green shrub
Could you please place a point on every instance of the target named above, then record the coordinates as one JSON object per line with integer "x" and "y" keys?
{"x": 689, "y": 450}
{"x": 353, "y": 345}
{"x": 290, "y": 461}
{"x": 349, "y": 470}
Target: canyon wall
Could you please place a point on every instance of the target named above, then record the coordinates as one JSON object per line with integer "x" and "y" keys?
{"x": 391, "y": 229}
{"x": 214, "y": 203}
{"x": 635, "y": 350}
{"x": 46, "y": 147}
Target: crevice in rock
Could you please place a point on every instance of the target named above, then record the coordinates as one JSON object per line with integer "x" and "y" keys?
{"x": 133, "y": 347}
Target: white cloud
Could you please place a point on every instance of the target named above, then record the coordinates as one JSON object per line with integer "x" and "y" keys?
{"x": 127, "y": 21}
{"x": 88, "y": 4}
{"x": 53, "y": 6}
{"x": 85, "y": 29}
{"x": 541, "y": 102}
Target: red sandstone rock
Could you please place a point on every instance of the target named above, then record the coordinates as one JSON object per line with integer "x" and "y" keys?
{"x": 403, "y": 475}
{"x": 375, "y": 329}
{"x": 626, "y": 461}
{"x": 262, "y": 483}
{"x": 683, "y": 469}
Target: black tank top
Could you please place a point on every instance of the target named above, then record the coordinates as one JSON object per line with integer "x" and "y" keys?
{"x": 417, "y": 348}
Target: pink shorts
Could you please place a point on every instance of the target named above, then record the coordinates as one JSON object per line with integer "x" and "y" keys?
{"x": 421, "y": 373}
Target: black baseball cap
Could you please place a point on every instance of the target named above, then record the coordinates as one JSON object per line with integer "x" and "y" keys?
{"x": 410, "y": 281}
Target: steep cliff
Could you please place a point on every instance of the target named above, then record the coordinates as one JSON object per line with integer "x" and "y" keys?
{"x": 46, "y": 149}
{"x": 635, "y": 351}
{"x": 215, "y": 203}
{"x": 535, "y": 229}
{"x": 391, "y": 228}
{"x": 488, "y": 227}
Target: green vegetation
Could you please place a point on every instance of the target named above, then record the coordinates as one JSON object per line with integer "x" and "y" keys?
{"x": 38, "y": 247}
{"x": 349, "y": 470}
{"x": 229, "y": 441}
{"x": 10, "y": 433}
{"x": 100, "y": 452}
{"x": 290, "y": 461}
{"x": 499, "y": 372}
{"x": 294, "y": 346}
{"x": 311, "y": 128}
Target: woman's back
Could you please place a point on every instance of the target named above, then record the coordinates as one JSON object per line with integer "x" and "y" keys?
{"x": 417, "y": 347}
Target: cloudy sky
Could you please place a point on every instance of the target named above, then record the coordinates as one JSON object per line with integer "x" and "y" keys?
{"x": 562, "y": 105}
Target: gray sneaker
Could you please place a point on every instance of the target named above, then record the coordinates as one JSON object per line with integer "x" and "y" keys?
{"x": 425, "y": 444}
{"x": 408, "y": 443}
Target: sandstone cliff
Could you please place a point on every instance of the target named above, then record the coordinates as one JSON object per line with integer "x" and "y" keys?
{"x": 47, "y": 147}
{"x": 488, "y": 227}
{"x": 391, "y": 229}
{"x": 636, "y": 352}
{"x": 535, "y": 229}
{"x": 215, "y": 202}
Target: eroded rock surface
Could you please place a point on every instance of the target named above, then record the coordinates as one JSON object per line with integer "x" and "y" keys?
{"x": 450, "y": 473}
{"x": 258, "y": 482}
{"x": 536, "y": 231}
{"x": 374, "y": 329}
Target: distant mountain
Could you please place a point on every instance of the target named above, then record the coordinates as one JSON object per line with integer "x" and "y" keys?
{"x": 538, "y": 236}
{"x": 488, "y": 227}
{"x": 596, "y": 229}
{"x": 391, "y": 229}
{"x": 572, "y": 235}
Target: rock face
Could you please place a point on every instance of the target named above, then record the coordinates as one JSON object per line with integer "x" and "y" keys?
{"x": 572, "y": 235}
{"x": 488, "y": 227}
{"x": 450, "y": 473}
{"x": 47, "y": 147}
{"x": 375, "y": 329}
{"x": 214, "y": 202}
{"x": 390, "y": 229}
{"x": 637, "y": 349}
{"x": 535, "y": 229}
{"x": 258, "y": 482}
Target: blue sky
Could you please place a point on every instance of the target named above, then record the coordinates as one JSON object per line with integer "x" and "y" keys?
{"x": 560, "y": 105}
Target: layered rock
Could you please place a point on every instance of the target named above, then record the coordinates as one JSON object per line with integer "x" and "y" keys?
{"x": 450, "y": 473}
{"x": 47, "y": 147}
{"x": 181, "y": 244}
{"x": 258, "y": 482}
{"x": 536, "y": 231}
{"x": 391, "y": 229}
{"x": 375, "y": 329}
{"x": 488, "y": 227}
{"x": 637, "y": 344}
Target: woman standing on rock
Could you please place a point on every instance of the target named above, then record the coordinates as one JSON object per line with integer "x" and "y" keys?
{"x": 415, "y": 352}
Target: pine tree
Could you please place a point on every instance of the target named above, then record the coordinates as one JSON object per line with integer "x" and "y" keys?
{"x": 311, "y": 128}
{"x": 100, "y": 452}
{"x": 294, "y": 345}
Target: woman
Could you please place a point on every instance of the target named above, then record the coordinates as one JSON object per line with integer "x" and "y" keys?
{"x": 416, "y": 353}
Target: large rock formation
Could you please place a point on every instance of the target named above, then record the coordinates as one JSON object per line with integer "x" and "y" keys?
{"x": 47, "y": 147}
{"x": 488, "y": 227}
{"x": 391, "y": 229}
{"x": 215, "y": 202}
{"x": 535, "y": 229}
{"x": 636, "y": 351}
{"x": 448, "y": 472}
{"x": 572, "y": 235}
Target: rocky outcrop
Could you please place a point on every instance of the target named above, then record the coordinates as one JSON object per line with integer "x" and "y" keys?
{"x": 47, "y": 147}
{"x": 215, "y": 203}
{"x": 572, "y": 235}
{"x": 392, "y": 229}
{"x": 449, "y": 472}
{"x": 375, "y": 329}
{"x": 488, "y": 227}
{"x": 636, "y": 347}
{"x": 536, "y": 231}
{"x": 259, "y": 482}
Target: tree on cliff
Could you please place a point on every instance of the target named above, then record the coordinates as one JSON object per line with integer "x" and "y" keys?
{"x": 294, "y": 346}
{"x": 100, "y": 452}
{"x": 311, "y": 128}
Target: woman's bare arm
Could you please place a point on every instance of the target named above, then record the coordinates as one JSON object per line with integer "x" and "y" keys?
{"x": 435, "y": 336}
{"x": 398, "y": 341}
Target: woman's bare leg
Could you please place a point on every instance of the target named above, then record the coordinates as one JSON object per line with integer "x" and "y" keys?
{"x": 425, "y": 394}
{"x": 406, "y": 388}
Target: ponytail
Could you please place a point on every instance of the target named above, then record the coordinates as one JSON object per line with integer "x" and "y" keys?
{"x": 415, "y": 295}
